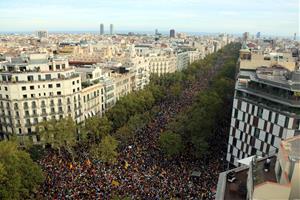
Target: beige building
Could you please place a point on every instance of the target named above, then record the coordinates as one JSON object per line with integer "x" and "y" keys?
{"x": 36, "y": 88}
{"x": 250, "y": 60}
{"x": 162, "y": 64}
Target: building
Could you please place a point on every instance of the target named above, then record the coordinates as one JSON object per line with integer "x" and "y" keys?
{"x": 42, "y": 34}
{"x": 246, "y": 36}
{"x": 266, "y": 106}
{"x": 295, "y": 36}
{"x": 36, "y": 88}
{"x": 101, "y": 29}
{"x": 258, "y": 35}
{"x": 272, "y": 177}
{"x": 172, "y": 33}
{"x": 182, "y": 61}
{"x": 111, "y": 29}
{"x": 161, "y": 64}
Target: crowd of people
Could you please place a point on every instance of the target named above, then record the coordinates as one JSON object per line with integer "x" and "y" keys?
{"x": 141, "y": 171}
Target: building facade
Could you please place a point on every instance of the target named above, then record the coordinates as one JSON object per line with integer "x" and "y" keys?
{"x": 36, "y": 88}
{"x": 266, "y": 108}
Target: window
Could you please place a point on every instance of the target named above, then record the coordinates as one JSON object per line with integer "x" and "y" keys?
{"x": 32, "y": 87}
{"x": 48, "y": 76}
{"x": 50, "y": 86}
{"x": 286, "y": 123}
{"x": 256, "y": 133}
{"x": 27, "y": 113}
{"x": 58, "y": 85}
{"x": 59, "y": 93}
{"x": 30, "y": 78}
{"x": 57, "y": 67}
{"x": 23, "y": 88}
{"x": 25, "y": 105}
{"x": 32, "y": 95}
{"x": 33, "y": 104}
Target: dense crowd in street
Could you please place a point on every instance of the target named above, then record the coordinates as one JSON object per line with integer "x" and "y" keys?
{"x": 141, "y": 171}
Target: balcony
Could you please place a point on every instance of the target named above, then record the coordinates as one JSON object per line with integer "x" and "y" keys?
{"x": 272, "y": 96}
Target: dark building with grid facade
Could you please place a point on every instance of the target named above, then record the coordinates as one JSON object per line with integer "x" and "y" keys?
{"x": 266, "y": 109}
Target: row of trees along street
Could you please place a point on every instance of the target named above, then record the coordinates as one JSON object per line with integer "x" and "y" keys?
{"x": 191, "y": 131}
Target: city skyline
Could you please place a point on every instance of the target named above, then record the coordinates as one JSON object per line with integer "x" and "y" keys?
{"x": 269, "y": 17}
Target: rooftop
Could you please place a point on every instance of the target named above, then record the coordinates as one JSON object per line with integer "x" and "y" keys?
{"x": 237, "y": 190}
{"x": 277, "y": 76}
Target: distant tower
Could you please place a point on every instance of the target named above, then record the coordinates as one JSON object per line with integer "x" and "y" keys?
{"x": 258, "y": 35}
{"x": 295, "y": 36}
{"x": 246, "y": 36}
{"x": 42, "y": 34}
{"x": 172, "y": 33}
{"x": 111, "y": 29}
{"x": 101, "y": 29}
{"x": 156, "y": 31}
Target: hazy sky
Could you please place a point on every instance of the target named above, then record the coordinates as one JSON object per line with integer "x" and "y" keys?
{"x": 276, "y": 17}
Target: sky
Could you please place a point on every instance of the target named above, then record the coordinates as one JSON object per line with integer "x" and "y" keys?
{"x": 270, "y": 17}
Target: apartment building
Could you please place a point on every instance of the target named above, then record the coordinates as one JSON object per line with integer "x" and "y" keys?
{"x": 271, "y": 177}
{"x": 162, "y": 63}
{"x": 266, "y": 106}
{"x": 36, "y": 88}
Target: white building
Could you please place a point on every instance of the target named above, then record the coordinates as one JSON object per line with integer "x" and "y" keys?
{"x": 36, "y": 88}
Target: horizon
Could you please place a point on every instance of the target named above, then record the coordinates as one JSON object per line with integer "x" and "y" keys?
{"x": 143, "y": 32}
{"x": 216, "y": 16}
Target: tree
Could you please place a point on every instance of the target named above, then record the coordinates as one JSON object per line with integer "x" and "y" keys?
{"x": 98, "y": 127}
{"x": 170, "y": 143}
{"x": 58, "y": 134}
{"x": 105, "y": 151}
{"x": 175, "y": 90}
{"x": 124, "y": 134}
{"x": 136, "y": 122}
{"x": 19, "y": 175}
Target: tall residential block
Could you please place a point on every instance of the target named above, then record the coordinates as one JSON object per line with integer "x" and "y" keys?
{"x": 111, "y": 29}
{"x": 172, "y": 33}
{"x": 266, "y": 106}
{"x": 101, "y": 29}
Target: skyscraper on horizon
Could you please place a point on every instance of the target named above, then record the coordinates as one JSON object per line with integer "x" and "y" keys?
{"x": 42, "y": 34}
{"x": 172, "y": 33}
{"x": 258, "y": 35}
{"x": 111, "y": 29}
{"x": 246, "y": 36}
{"x": 101, "y": 29}
{"x": 295, "y": 36}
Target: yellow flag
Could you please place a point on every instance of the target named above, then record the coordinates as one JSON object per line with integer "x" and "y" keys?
{"x": 115, "y": 183}
{"x": 126, "y": 165}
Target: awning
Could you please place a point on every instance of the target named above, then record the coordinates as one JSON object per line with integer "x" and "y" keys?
{"x": 246, "y": 161}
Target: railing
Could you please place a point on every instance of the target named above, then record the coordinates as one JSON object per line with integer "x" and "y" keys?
{"x": 271, "y": 97}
